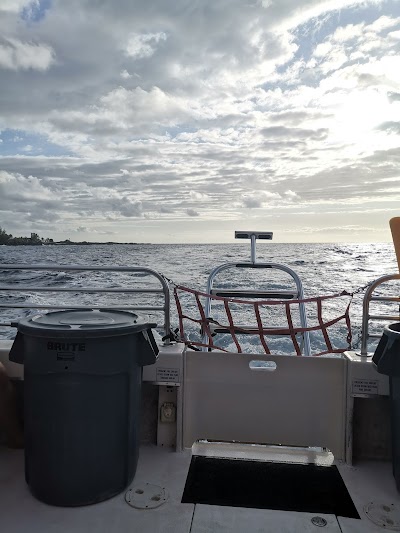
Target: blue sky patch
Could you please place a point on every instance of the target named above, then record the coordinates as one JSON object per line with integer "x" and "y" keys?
{"x": 19, "y": 142}
{"x": 35, "y": 11}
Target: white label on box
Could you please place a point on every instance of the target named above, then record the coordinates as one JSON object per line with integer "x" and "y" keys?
{"x": 168, "y": 374}
{"x": 365, "y": 386}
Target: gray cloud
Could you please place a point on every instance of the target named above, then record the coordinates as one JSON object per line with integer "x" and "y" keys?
{"x": 274, "y": 132}
{"x": 192, "y": 212}
{"x": 391, "y": 127}
{"x": 252, "y": 202}
{"x": 18, "y": 55}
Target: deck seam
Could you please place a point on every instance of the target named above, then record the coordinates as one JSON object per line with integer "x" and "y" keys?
{"x": 338, "y": 523}
{"x": 191, "y": 523}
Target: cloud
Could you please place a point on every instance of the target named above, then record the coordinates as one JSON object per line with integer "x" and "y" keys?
{"x": 260, "y": 199}
{"x": 165, "y": 209}
{"x": 291, "y": 195}
{"x": 128, "y": 208}
{"x": 16, "y": 187}
{"x": 13, "y": 6}
{"x": 90, "y": 230}
{"x": 274, "y": 132}
{"x": 252, "y": 202}
{"x": 18, "y": 55}
{"x": 349, "y": 228}
{"x": 158, "y": 109}
{"x": 196, "y": 195}
{"x": 391, "y": 127}
{"x": 144, "y": 45}
{"x": 29, "y": 196}
{"x": 122, "y": 110}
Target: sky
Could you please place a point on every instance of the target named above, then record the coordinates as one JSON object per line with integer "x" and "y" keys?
{"x": 182, "y": 121}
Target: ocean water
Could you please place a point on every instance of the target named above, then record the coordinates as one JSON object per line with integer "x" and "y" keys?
{"x": 323, "y": 268}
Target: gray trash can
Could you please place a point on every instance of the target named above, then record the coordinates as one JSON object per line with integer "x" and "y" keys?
{"x": 82, "y": 389}
{"x": 387, "y": 361}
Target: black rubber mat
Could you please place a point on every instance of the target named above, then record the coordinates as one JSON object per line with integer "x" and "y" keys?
{"x": 261, "y": 485}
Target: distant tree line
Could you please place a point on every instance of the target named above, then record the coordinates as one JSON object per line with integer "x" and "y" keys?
{"x": 6, "y": 238}
{"x": 34, "y": 239}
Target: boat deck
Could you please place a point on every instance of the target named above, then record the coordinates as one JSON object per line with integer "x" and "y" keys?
{"x": 19, "y": 511}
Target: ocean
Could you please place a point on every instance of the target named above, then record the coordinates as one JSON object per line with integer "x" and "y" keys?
{"x": 323, "y": 268}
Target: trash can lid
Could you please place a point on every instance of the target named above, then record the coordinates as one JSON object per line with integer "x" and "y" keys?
{"x": 392, "y": 330}
{"x": 80, "y": 323}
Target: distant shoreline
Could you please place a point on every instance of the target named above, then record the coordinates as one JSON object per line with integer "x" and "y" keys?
{"x": 34, "y": 240}
{"x": 70, "y": 243}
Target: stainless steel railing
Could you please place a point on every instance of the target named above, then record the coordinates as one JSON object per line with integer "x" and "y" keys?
{"x": 297, "y": 294}
{"x": 368, "y": 298}
{"x": 19, "y": 288}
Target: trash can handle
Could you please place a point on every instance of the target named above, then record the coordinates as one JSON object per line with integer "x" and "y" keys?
{"x": 16, "y": 354}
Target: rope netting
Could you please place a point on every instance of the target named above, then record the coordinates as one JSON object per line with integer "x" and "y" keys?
{"x": 266, "y": 317}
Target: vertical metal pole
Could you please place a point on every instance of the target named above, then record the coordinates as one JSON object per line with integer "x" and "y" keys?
{"x": 253, "y": 248}
{"x": 303, "y": 322}
{"x": 167, "y": 318}
{"x": 365, "y": 323}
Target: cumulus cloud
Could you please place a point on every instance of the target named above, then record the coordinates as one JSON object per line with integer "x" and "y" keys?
{"x": 129, "y": 208}
{"x": 291, "y": 195}
{"x": 29, "y": 197}
{"x": 16, "y": 187}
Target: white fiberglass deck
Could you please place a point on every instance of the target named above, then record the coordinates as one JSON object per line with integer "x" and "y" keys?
{"x": 20, "y": 512}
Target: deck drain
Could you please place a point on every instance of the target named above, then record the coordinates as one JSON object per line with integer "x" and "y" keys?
{"x": 319, "y": 521}
{"x": 385, "y": 515}
{"x": 146, "y": 496}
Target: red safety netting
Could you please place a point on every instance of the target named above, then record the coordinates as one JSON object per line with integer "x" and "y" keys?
{"x": 264, "y": 327}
